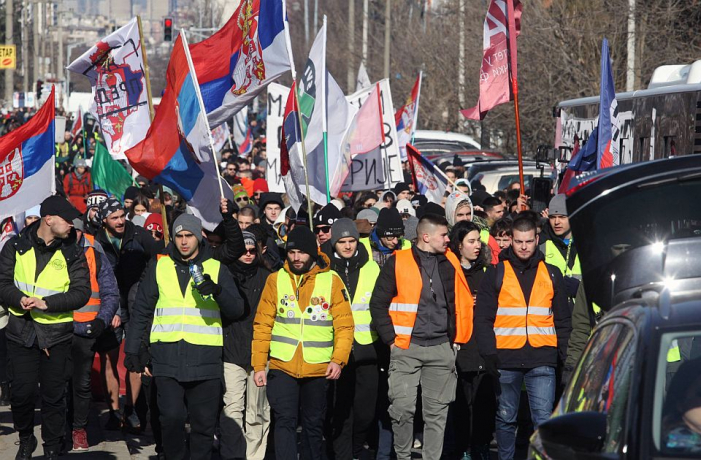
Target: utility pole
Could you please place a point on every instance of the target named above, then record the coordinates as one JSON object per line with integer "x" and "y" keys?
{"x": 306, "y": 22}
{"x": 365, "y": 33}
{"x": 351, "y": 44}
{"x": 316, "y": 17}
{"x": 630, "y": 73}
{"x": 388, "y": 34}
{"x": 59, "y": 33}
{"x": 25, "y": 54}
{"x": 35, "y": 40}
{"x": 9, "y": 32}
{"x": 461, "y": 54}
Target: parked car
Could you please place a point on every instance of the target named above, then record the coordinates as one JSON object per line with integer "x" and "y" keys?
{"x": 500, "y": 179}
{"x": 466, "y": 156}
{"x": 434, "y": 142}
{"x": 636, "y": 391}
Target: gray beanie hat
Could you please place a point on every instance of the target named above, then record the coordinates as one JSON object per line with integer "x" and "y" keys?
{"x": 190, "y": 223}
{"x": 343, "y": 228}
{"x": 410, "y": 225}
{"x": 368, "y": 214}
{"x": 557, "y": 206}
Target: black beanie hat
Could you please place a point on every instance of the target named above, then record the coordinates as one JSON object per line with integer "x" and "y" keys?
{"x": 327, "y": 215}
{"x": 401, "y": 187}
{"x": 430, "y": 208}
{"x": 389, "y": 223}
{"x": 302, "y": 239}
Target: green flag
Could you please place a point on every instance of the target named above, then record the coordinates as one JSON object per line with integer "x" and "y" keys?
{"x": 108, "y": 174}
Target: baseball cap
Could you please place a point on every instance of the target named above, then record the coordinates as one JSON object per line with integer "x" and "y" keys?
{"x": 59, "y": 206}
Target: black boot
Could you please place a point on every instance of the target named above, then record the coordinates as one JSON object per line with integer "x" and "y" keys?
{"x": 5, "y": 394}
{"x": 52, "y": 454}
{"x": 27, "y": 446}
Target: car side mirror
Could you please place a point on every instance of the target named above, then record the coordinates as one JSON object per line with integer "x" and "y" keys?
{"x": 582, "y": 432}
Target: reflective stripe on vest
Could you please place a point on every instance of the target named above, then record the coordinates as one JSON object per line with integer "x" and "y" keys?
{"x": 90, "y": 310}
{"x": 53, "y": 279}
{"x": 188, "y": 317}
{"x": 553, "y": 256}
{"x": 673, "y": 354}
{"x": 311, "y": 326}
{"x": 364, "y": 334}
{"x": 517, "y": 321}
{"x": 405, "y": 305}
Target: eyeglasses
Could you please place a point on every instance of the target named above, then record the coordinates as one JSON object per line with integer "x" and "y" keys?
{"x": 252, "y": 251}
{"x": 242, "y": 198}
{"x": 325, "y": 229}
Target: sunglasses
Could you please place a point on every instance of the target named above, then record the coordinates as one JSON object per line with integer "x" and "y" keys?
{"x": 252, "y": 251}
{"x": 326, "y": 229}
{"x": 241, "y": 198}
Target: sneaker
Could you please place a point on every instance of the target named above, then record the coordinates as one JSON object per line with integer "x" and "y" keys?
{"x": 4, "y": 394}
{"x": 27, "y": 446}
{"x": 417, "y": 443}
{"x": 132, "y": 424}
{"x": 80, "y": 440}
{"x": 113, "y": 422}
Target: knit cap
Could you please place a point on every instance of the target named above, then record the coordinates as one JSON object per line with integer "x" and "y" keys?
{"x": 188, "y": 223}
{"x": 343, "y": 228}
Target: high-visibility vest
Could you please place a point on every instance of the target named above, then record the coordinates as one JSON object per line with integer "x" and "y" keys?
{"x": 190, "y": 317}
{"x": 405, "y": 305}
{"x": 90, "y": 310}
{"x": 484, "y": 236}
{"x": 553, "y": 256}
{"x": 673, "y": 354}
{"x": 311, "y": 326}
{"x": 518, "y": 321}
{"x": 369, "y": 272}
{"x": 53, "y": 279}
{"x": 406, "y": 244}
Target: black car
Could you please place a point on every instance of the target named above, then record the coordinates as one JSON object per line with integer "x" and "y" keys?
{"x": 636, "y": 391}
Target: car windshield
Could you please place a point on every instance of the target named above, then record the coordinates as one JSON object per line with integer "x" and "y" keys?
{"x": 677, "y": 406}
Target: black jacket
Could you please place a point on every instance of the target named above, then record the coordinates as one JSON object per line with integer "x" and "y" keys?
{"x": 526, "y": 357}
{"x": 180, "y": 360}
{"x": 349, "y": 271}
{"x": 238, "y": 334}
{"x": 23, "y": 329}
{"x": 469, "y": 359}
{"x": 386, "y": 289}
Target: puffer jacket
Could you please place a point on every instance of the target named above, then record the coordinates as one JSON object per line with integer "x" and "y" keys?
{"x": 265, "y": 320}
{"x": 23, "y": 329}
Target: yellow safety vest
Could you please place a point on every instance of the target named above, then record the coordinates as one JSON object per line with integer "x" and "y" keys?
{"x": 369, "y": 272}
{"x": 484, "y": 236}
{"x": 312, "y": 326}
{"x": 406, "y": 244}
{"x": 553, "y": 256}
{"x": 189, "y": 317}
{"x": 53, "y": 279}
{"x": 673, "y": 354}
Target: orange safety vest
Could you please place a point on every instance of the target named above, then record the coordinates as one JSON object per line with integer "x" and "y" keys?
{"x": 405, "y": 305}
{"x": 517, "y": 321}
{"x": 90, "y": 310}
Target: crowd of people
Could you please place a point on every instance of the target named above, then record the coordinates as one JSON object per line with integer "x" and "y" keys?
{"x": 379, "y": 321}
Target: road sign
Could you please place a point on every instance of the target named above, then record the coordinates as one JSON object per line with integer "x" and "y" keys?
{"x": 8, "y": 57}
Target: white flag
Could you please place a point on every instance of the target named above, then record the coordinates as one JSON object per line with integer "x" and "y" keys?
{"x": 363, "y": 80}
{"x": 220, "y": 136}
{"x": 115, "y": 67}
{"x": 240, "y": 126}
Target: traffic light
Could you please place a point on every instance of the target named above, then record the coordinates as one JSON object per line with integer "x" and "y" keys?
{"x": 38, "y": 89}
{"x": 168, "y": 29}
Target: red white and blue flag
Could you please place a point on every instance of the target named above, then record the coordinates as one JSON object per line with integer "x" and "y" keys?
{"x": 27, "y": 162}
{"x": 177, "y": 151}
{"x": 428, "y": 179}
{"x": 607, "y": 153}
{"x": 405, "y": 118}
{"x": 242, "y": 58}
{"x": 291, "y": 163}
{"x": 247, "y": 144}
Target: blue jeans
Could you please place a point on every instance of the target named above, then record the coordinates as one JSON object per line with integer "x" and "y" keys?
{"x": 540, "y": 387}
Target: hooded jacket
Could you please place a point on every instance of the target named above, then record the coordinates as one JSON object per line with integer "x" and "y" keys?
{"x": 23, "y": 329}
{"x": 526, "y": 357}
{"x": 451, "y": 205}
{"x": 180, "y": 360}
{"x": 264, "y": 321}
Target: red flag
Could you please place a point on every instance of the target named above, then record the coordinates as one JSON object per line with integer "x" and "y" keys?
{"x": 77, "y": 125}
{"x": 499, "y": 61}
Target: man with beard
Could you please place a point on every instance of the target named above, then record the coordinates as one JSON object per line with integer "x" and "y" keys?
{"x": 305, "y": 325}
{"x": 354, "y": 395}
{"x": 186, "y": 336}
{"x": 43, "y": 277}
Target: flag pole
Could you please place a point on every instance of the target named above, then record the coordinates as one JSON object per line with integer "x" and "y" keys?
{"x": 166, "y": 232}
{"x": 203, "y": 112}
{"x": 288, "y": 44}
{"x": 324, "y": 121}
{"x": 511, "y": 20}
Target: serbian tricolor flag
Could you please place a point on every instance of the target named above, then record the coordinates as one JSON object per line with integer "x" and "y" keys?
{"x": 607, "y": 153}
{"x": 428, "y": 179}
{"x": 77, "y": 128}
{"x": 247, "y": 144}
{"x": 177, "y": 151}
{"x": 26, "y": 162}
{"x": 242, "y": 58}
{"x": 405, "y": 118}
{"x": 501, "y": 27}
{"x": 291, "y": 163}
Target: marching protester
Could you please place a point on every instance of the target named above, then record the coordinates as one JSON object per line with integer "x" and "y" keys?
{"x": 421, "y": 306}
{"x": 44, "y": 277}
{"x": 515, "y": 355}
{"x": 186, "y": 336}
{"x": 353, "y": 396}
{"x": 302, "y": 332}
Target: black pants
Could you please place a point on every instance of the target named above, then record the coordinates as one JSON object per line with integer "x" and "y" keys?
{"x": 288, "y": 397}
{"x": 3, "y": 356}
{"x": 32, "y": 366}
{"x": 83, "y": 353}
{"x": 200, "y": 401}
{"x": 352, "y": 415}
{"x": 475, "y": 411}
{"x": 149, "y": 389}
